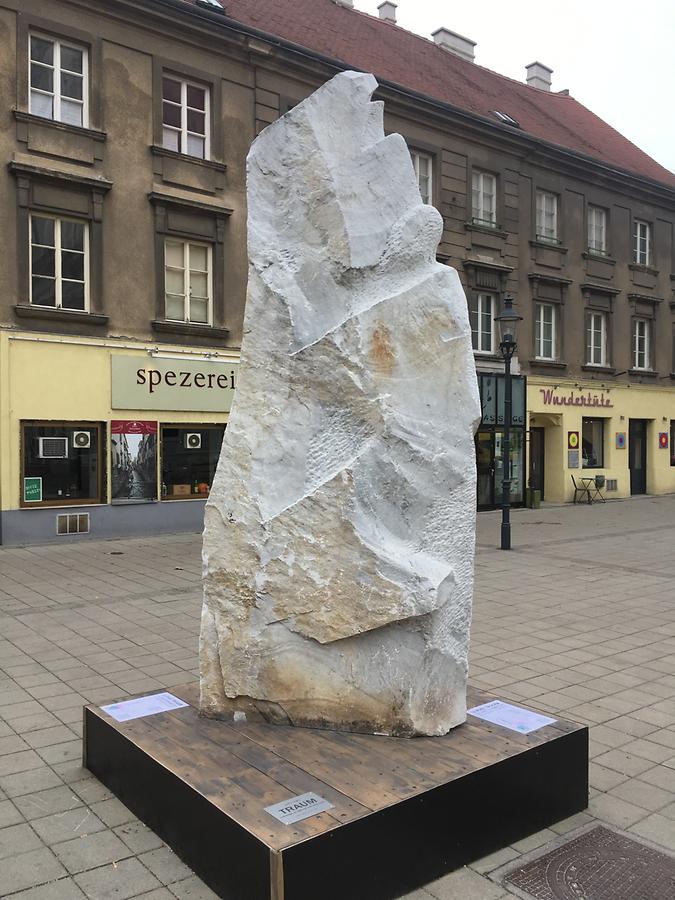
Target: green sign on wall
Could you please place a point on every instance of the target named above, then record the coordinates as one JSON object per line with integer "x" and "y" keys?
{"x": 32, "y": 490}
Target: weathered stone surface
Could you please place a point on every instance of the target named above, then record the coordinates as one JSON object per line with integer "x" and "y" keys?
{"x": 338, "y": 545}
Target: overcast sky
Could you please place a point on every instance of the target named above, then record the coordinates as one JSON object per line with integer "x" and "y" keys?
{"x": 617, "y": 57}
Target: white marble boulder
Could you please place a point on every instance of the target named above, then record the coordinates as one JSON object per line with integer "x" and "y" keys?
{"x": 339, "y": 534}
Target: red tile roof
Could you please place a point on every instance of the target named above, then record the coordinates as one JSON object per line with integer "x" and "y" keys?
{"x": 393, "y": 54}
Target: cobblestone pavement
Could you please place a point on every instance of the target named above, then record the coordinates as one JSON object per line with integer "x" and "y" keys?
{"x": 578, "y": 620}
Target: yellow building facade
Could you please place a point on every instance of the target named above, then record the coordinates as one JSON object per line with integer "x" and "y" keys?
{"x": 578, "y": 430}
{"x": 107, "y": 437}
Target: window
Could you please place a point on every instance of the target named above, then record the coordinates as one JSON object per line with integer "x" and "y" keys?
{"x": 641, "y": 349}
{"x": 547, "y": 217}
{"x": 187, "y": 281}
{"x": 544, "y": 331}
{"x": 672, "y": 442}
{"x": 185, "y": 117}
{"x": 484, "y": 199}
{"x": 422, "y": 165}
{"x": 481, "y": 315}
{"x": 58, "y": 263}
{"x": 596, "y": 339}
{"x": 593, "y": 443}
{"x": 642, "y": 243}
{"x": 189, "y": 458}
{"x": 597, "y": 230}
{"x": 62, "y": 463}
{"x": 58, "y": 80}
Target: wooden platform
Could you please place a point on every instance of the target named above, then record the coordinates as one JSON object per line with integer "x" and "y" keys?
{"x": 405, "y": 811}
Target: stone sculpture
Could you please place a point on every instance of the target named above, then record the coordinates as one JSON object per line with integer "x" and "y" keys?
{"x": 339, "y": 535}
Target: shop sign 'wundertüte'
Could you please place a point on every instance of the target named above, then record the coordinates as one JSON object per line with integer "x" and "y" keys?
{"x": 551, "y": 398}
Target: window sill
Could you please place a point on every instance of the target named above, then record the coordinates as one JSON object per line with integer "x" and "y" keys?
{"x": 648, "y": 270}
{"x": 589, "y": 254}
{"x": 189, "y": 328}
{"x": 484, "y": 356}
{"x": 643, "y": 373}
{"x": 25, "y": 311}
{"x": 603, "y": 370}
{"x": 156, "y": 150}
{"x": 486, "y": 229}
{"x": 91, "y": 133}
{"x": 60, "y": 504}
{"x": 549, "y": 245}
{"x": 547, "y": 363}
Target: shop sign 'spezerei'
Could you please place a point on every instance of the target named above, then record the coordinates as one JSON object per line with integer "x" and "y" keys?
{"x": 165, "y": 383}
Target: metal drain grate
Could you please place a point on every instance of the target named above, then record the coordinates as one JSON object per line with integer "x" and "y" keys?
{"x": 598, "y": 865}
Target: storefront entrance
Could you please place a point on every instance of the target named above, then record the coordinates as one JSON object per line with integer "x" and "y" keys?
{"x": 637, "y": 455}
{"x": 489, "y": 442}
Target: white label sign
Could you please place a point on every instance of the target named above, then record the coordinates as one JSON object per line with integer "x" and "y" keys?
{"x": 513, "y": 717}
{"x": 143, "y": 706}
{"x": 297, "y": 808}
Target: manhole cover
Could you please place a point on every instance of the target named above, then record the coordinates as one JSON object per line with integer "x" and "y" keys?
{"x": 598, "y": 865}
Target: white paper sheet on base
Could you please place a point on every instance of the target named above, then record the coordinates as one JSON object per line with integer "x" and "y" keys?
{"x": 143, "y": 706}
{"x": 508, "y": 716}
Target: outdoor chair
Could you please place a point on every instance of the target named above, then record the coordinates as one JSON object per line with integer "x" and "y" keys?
{"x": 581, "y": 490}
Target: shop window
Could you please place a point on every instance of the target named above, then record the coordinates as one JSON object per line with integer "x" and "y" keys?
{"x": 547, "y": 217}
{"x": 641, "y": 350}
{"x": 58, "y": 263}
{"x": 642, "y": 243}
{"x": 58, "y": 80}
{"x": 544, "y": 331}
{"x": 62, "y": 463}
{"x": 422, "y": 163}
{"x": 185, "y": 117}
{"x": 596, "y": 338}
{"x": 481, "y": 315}
{"x": 593, "y": 443}
{"x": 189, "y": 455}
{"x": 672, "y": 442}
{"x": 597, "y": 230}
{"x": 187, "y": 281}
{"x": 484, "y": 199}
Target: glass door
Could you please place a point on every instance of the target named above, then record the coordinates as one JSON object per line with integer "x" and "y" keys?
{"x": 485, "y": 464}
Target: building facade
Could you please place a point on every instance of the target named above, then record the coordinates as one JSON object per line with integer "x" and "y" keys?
{"x": 126, "y": 132}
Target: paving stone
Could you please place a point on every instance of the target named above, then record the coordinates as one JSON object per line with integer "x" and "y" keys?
{"x": 648, "y": 796}
{"x": 29, "y": 869}
{"x": 29, "y": 782}
{"x": 466, "y": 884}
{"x": 64, "y": 889}
{"x": 88, "y": 851}
{"x": 138, "y": 837}
{"x": 128, "y": 878}
{"x": 194, "y": 889}
{"x": 44, "y": 803}
{"x": 657, "y": 828}
{"x": 113, "y": 812}
{"x": 17, "y": 839}
{"x": 164, "y": 863}
{"x": 64, "y": 826}
{"x": 48, "y": 737}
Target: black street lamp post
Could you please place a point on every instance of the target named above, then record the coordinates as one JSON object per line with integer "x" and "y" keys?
{"x": 507, "y": 320}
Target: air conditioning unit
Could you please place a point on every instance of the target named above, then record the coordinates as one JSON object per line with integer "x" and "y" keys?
{"x": 82, "y": 439}
{"x": 192, "y": 441}
{"x": 53, "y": 448}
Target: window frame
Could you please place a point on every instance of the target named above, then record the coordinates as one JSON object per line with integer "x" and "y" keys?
{"x": 635, "y": 339}
{"x": 641, "y": 258}
{"x": 590, "y": 316}
{"x": 540, "y": 217}
{"x": 416, "y": 155}
{"x": 538, "y": 331}
{"x": 58, "y": 43}
{"x": 74, "y": 425}
{"x": 478, "y": 298}
{"x": 480, "y": 175}
{"x": 186, "y": 244}
{"x": 591, "y": 230}
{"x": 58, "y": 277}
{"x": 184, "y": 132}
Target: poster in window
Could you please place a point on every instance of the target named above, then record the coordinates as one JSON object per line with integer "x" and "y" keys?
{"x": 133, "y": 460}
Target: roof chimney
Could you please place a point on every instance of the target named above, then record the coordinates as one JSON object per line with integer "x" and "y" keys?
{"x": 454, "y": 43}
{"x": 539, "y": 76}
{"x": 387, "y": 11}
